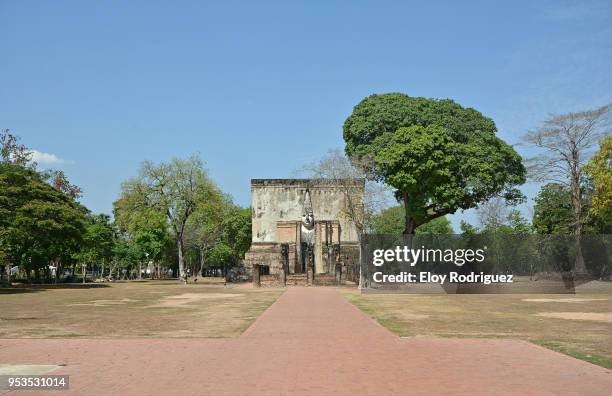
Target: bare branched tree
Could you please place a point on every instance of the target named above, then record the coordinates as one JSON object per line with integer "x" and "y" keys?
{"x": 340, "y": 171}
{"x": 492, "y": 213}
{"x": 565, "y": 143}
{"x": 363, "y": 198}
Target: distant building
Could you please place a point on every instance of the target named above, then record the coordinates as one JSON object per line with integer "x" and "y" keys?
{"x": 310, "y": 219}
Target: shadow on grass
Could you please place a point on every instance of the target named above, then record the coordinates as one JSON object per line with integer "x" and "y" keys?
{"x": 42, "y": 287}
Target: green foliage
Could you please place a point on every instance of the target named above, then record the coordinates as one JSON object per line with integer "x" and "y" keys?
{"x": 437, "y": 226}
{"x": 12, "y": 152}
{"x": 599, "y": 170}
{"x": 143, "y": 228}
{"x": 552, "y": 212}
{"x": 439, "y": 156}
{"x": 518, "y": 224}
{"x": 390, "y": 221}
{"x": 127, "y": 254}
{"x": 60, "y": 182}
{"x": 205, "y": 227}
{"x": 177, "y": 189}
{"x": 98, "y": 240}
{"x": 179, "y": 201}
{"x": 509, "y": 223}
{"x": 467, "y": 229}
{"x": 220, "y": 254}
{"x": 237, "y": 230}
{"x": 42, "y": 224}
{"x": 225, "y": 241}
{"x": 514, "y": 223}
{"x": 39, "y": 224}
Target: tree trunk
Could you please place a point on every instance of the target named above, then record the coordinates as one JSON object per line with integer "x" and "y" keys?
{"x": 410, "y": 226}
{"x": 579, "y": 266}
{"x": 179, "y": 243}
{"x": 362, "y": 265}
{"x": 202, "y": 262}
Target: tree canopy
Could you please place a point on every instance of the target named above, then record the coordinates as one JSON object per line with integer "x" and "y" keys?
{"x": 38, "y": 222}
{"x": 552, "y": 212}
{"x": 599, "y": 170}
{"x": 438, "y": 155}
{"x": 390, "y": 221}
{"x": 177, "y": 190}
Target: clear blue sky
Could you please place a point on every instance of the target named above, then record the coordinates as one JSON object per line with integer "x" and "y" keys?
{"x": 259, "y": 88}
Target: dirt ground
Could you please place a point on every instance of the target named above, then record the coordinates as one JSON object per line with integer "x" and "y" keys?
{"x": 309, "y": 342}
{"x": 578, "y": 325}
{"x": 133, "y": 309}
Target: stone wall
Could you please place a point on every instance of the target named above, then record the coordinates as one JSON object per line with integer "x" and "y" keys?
{"x": 277, "y": 200}
{"x": 277, "y": 208}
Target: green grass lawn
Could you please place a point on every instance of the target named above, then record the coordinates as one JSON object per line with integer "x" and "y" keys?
{"x": 131, "y": 309}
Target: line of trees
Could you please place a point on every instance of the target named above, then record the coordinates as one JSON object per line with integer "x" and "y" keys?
{"x": 553, "y": 212}
{"x": 178, "y": 203}
{"x": 436, "y": 156}
{"x": 439, "y": 157}
{"x": 171, "y": 217}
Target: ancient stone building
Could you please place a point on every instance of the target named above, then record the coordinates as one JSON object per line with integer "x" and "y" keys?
{"x": 302, "y": 222}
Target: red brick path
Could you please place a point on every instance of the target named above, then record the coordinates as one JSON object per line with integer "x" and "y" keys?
{"x": 310, "y": 342}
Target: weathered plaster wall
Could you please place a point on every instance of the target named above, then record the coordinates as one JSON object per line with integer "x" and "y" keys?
{"x": 274, "y": 200}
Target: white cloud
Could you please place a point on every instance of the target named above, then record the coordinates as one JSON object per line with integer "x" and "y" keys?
{"x": 47, "y": 159}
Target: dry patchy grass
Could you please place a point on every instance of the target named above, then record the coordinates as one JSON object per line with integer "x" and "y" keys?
{"x": 577, "y": 326}
{"x": 131, "y": 309}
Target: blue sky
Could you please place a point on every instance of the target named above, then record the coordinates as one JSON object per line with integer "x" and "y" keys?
{"x": 260, "y": 88}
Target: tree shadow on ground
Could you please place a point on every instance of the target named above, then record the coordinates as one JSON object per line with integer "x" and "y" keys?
{"x": 42, "y": 287}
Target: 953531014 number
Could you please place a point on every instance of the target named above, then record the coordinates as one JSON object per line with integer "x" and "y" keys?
{"x": 40, "y": 382}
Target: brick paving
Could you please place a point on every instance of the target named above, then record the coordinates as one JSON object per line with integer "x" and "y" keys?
{"x": 310, "y": 342}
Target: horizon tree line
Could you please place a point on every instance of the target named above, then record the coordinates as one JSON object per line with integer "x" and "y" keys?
{"x": 169, "y": 211}
{"x": 434, "y": 156}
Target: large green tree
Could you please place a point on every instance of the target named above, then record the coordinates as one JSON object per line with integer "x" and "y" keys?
{"x": 438, "y": 155}
{"x": 177, "y": 189}
{"x": 98, "y": 241}
{"x": 39, "y": 224}
{"x": 143, "y": 230}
